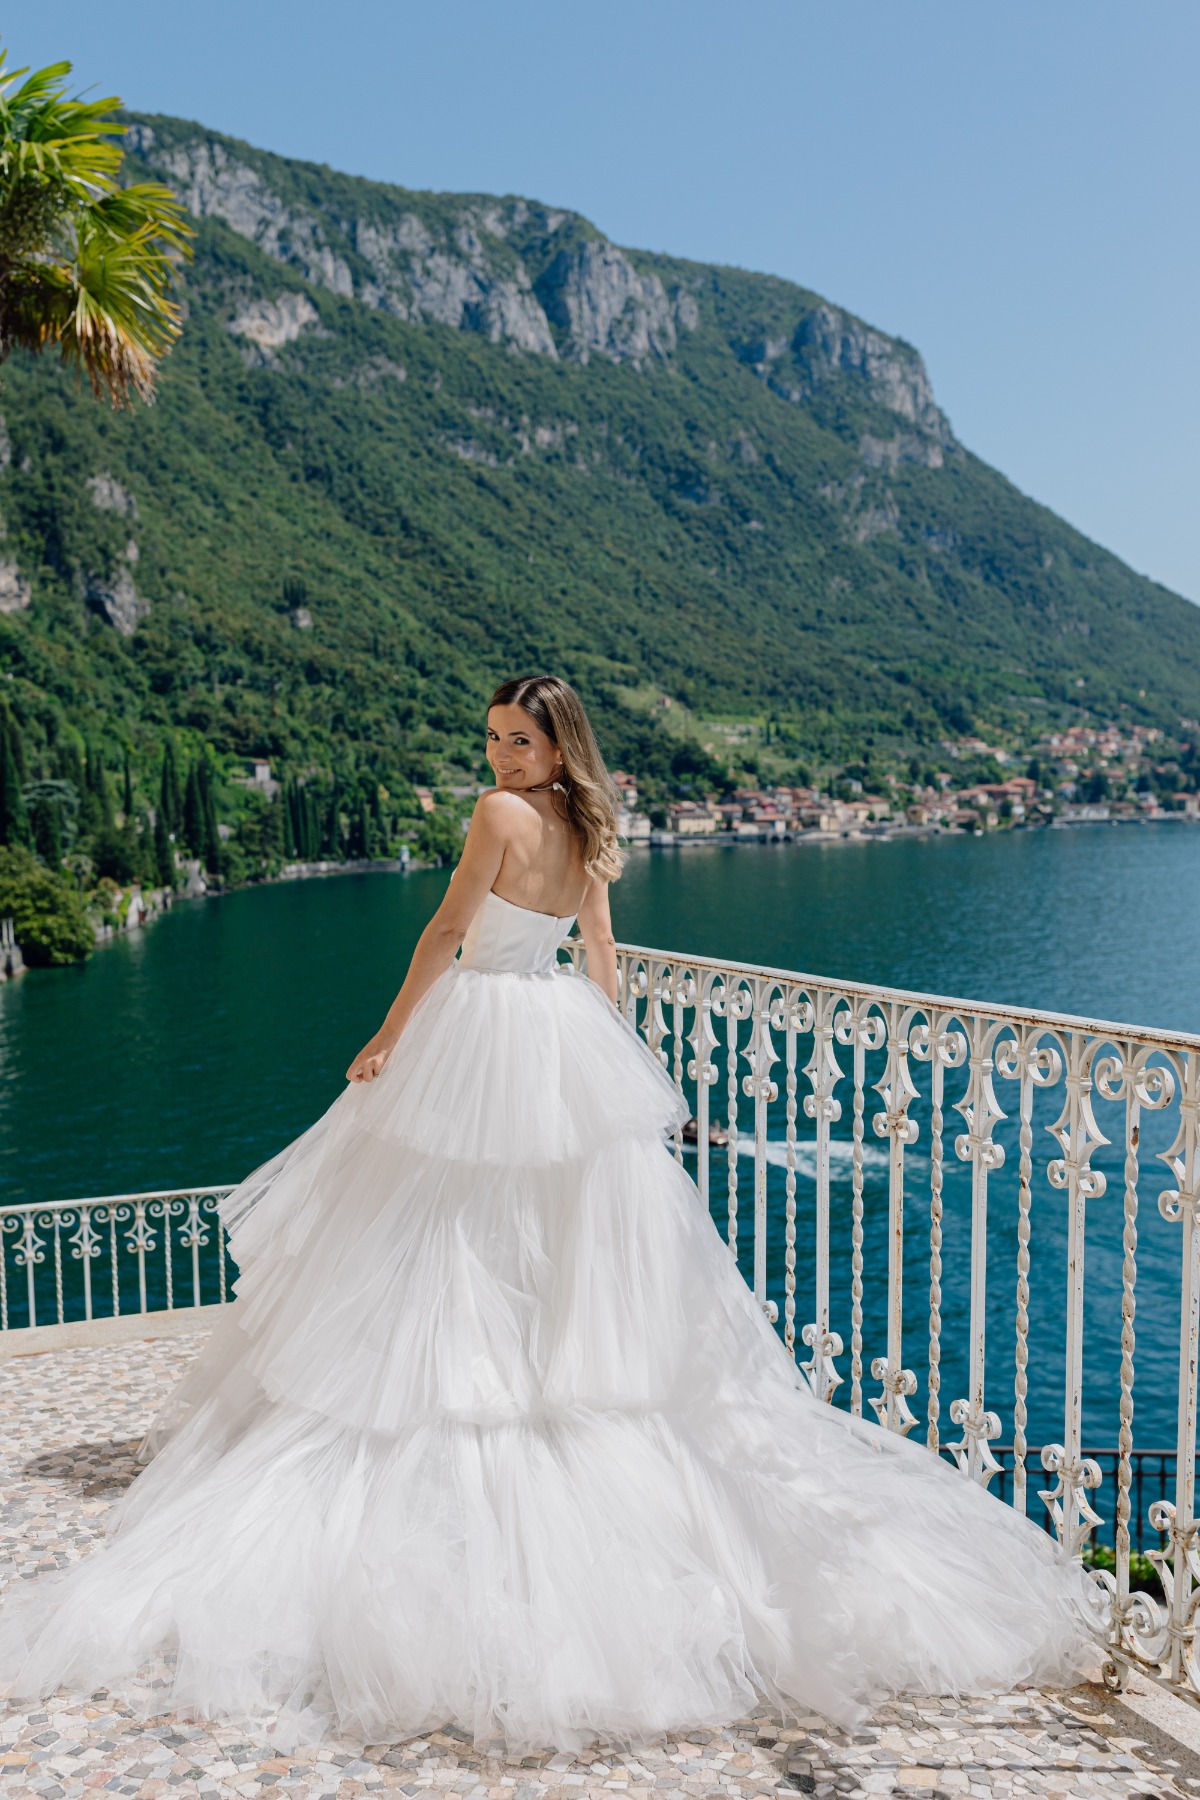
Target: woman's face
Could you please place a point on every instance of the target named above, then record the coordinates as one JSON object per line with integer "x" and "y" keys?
{"x": 521, "y": 754}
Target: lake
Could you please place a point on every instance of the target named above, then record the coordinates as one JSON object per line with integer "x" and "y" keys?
{"x": 188, "y": 1053}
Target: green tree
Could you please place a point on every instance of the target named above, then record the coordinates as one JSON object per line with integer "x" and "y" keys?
{"x": 51, "y": 924}
{"x": 439, "y": 838}
{"x": 127, "y": 790}
{"x": 361, "y": 841}
{"x": 116, "y": 852}
{"x": 164, "y": 855}
{"x": 85, "y": 265}
{"x": 98, "y": 810}
{"x": 331, "y": 836}
{"x": 53, "y": 809}
{"x": 200, "y": 815}
{"x": 46, "y": 830}
{"x": 291, "y": 833}
{"x": 257, "y": 845}
{"x": 170, "y": 803}
{"x": 302, "y": 830}
{"x": 14, "y": 823}
{"x": 193, "y": 811}
{"x": 211, "y": 846}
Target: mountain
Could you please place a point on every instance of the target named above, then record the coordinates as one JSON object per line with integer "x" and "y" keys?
{"x": 413, "y": 443}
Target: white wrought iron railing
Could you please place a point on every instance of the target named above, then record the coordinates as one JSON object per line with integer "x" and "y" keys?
{"x": 1062, "y": 1122}
{"x": 64, "y": 1261}
{"x": 822, "y": 1112}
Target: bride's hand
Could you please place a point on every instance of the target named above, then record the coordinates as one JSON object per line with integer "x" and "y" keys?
{"x": 369, "y": 1061}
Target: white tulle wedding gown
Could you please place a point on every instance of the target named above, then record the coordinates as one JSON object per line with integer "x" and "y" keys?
{"x": 496, "y": 1435}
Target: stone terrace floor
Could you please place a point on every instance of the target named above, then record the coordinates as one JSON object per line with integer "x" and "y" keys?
{"x": 71, "y": 1422}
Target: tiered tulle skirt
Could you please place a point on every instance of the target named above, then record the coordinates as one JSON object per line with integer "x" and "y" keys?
{"x": 496, "y": 1435}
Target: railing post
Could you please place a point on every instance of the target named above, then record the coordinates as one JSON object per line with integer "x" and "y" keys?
{"x": 28, "y": 1253}
{"x": 1179, "y": 1565}
{"x": 703, "y": 1071}
{"x": 759, "y": 1087}
{"x": 824, "y": 1073}
{"x": 978, "y": 1146}
{"x": 897, "y": 1090}
{"x": 943, "y": 1049}
{"x": 1078, "y": 1135}
{"x": 1026, "y": 1059}
{"x": 1128, "y": 1076}
{"x": 731, "y": 1002}
{"x": 856, "y": 1025}
{"x": 1024, "y": 1235}
{"x": 683, "y": 994}
{"x": 787, "y": 1019}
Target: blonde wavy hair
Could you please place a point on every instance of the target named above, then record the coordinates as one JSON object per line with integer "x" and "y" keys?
{"x": 588, "y": 797}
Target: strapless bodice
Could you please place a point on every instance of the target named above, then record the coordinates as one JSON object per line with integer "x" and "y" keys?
{"x": 510, "y": 939}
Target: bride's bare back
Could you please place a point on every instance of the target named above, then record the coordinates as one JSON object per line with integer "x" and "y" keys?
{"x": 542, "y": 865}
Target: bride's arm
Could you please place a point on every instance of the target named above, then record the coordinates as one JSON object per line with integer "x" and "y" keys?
{"x": 595, "y": 927}
{"x": 483, "y": 852}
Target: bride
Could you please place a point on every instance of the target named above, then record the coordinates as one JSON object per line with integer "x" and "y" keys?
{"x": 495, "y": 1434}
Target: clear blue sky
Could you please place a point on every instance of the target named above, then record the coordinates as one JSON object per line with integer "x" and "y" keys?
{"x": 1013, "y": 188}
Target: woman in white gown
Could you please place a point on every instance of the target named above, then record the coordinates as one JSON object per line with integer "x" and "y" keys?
{"x": 495, "y": 1433}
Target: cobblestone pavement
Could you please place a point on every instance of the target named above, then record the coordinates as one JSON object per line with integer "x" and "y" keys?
{"x": 72, "y": 1420}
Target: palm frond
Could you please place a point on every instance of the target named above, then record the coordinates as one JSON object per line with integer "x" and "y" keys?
{"x": 147, "y": 206}
{"x": 108, "y": 311}
{"x": 107, "y": 307}
{"x": 47, "y": 136}
{"x": 84, "y": 264}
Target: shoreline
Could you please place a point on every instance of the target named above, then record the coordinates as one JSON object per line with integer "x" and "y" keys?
{"x": 881, "y": 833}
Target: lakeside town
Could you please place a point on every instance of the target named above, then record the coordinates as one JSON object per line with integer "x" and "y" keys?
{"x": 1084, "y": 775}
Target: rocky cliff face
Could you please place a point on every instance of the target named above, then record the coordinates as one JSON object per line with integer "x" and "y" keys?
{"x": 830, "y": 343}
{"x": 601, "y": 303}
{"x": 15, "y": 591}
{"x": 455, "y": 262}
{"x": 829, "y": 349}
{"x": 537, "y": 279}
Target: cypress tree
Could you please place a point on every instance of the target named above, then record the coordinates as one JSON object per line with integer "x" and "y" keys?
{"x": 47, "y": 833}
{"x": 273, "y": 833}
{"x": 211, "y": 851}
{"x": 289, "y": 818}
{"x": 331, "y": 839}
{"x": 16, "y": 743}
{"x": 354, "y": 836}
{"x": 164, "y": 857}
{"x": 312, "y": 825}
{"x": 127, "y": 796}
{"x": 193, "y": 812}
{"x": 14, "y": 823}
{"x": 70, "y": 769}
{"x": 97, "y": 784}
{"x": 169, "y": 799}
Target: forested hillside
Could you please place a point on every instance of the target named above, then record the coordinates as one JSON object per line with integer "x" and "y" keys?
{"x": 411, "y": 444}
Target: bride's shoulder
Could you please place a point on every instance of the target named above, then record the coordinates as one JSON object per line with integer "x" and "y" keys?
{"x": 498, "y": 811}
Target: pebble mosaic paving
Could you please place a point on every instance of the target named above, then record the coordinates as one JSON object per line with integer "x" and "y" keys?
{"x": 72, "y": 1420}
